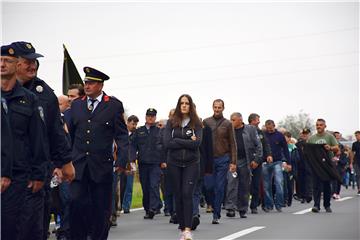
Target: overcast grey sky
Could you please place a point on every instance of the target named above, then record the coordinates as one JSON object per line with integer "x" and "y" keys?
{"x": 275, "y": 59}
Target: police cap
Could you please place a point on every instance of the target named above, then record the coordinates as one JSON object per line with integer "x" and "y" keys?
{"x": 91, "y": 74}
{"x": 8, "y": 50}
{"x": 151, "y": 112}
{"x": 305, "y": 131}
{"x": 26, "y": 50}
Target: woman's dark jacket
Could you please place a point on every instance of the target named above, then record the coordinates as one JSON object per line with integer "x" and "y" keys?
{"x": 182, "y": 151}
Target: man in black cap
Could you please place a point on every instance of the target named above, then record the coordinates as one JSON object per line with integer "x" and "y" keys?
{"x": 146, "y": 143}
{"x": 30, "y": 156}
{"x": 304, "y": 173}
{"x": 58, "y": 147}
{"x": 96, "y": 122}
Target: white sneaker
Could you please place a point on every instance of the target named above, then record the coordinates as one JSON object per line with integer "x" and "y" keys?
{"x": 182, "y": 237}
{"x": 187, "y": 235}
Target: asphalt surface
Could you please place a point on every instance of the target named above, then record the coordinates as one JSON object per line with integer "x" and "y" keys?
{"x": 295, "y": 222}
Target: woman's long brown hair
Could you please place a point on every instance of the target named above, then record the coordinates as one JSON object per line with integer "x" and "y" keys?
{"x": 178, "y": 116}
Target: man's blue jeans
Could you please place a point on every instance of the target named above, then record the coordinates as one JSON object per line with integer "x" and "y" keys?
{"x": 128, "y": 192}
{"x": 221, "y": 167}
{"x": 273, "y": 170}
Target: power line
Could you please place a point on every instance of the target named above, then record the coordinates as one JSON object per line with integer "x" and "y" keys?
{"x": 153, "y": 52}
{"x": 243, "y": 78}
{"x": 235, "y": 65}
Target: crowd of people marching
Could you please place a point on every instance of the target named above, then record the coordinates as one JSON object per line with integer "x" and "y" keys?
{"x": 76, "y": 156}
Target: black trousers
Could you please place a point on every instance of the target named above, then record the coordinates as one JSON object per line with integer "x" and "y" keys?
{"x": 255, "y": 187}
{"x": 32, "y": 216}
{"x": 12, "y": 202}
{"x": 184, "y": 180}
{"x": 150, "y": 182}
{"x": 318, "y": 187}
{"x": 99, "y": 195}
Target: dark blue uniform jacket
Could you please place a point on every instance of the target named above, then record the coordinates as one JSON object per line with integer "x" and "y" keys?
{"x": 28, "y": 132}
{"x": 93, "y": 134}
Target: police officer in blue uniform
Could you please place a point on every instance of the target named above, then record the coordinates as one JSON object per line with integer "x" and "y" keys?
{"x": 38, "y": 205}
{"x": 146, "y": 142}
{"x": 30, "y": 156}
{"x": 96, "y": 122}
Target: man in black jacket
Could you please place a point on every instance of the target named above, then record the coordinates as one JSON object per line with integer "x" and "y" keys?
{"x": 256, "y": 168}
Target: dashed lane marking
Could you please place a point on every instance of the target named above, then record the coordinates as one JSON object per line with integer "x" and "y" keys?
{"x": 241, "y": 233}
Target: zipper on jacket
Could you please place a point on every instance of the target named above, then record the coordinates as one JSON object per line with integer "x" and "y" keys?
{"x": 182, "y": 134}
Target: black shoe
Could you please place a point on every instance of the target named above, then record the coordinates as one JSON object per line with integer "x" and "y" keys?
{"x": 315, "y": 209}
{"x": 309, "y": 199}
{"x": 254, "y": 211}
{"x": 303, "y": 200}
{"x": 167, "y": 214}
{"x": 149, "y": 215}
{"x": 242, "y": 214}
{"x": 215, "y": 221}
{"x": 202, "y": 202}
{"x": 265, "y": 209}
{"x": 126, "y": 211}
{"x": 173, "y": 219}
{"x": 230, "y": 213}
{"x": 157, "y": 212}
{"x": 278, "y": 209}
{"x": 296, "y": 197}
{"x": 328, "y": 210}
{"x": 113, "y": 222}
{"x": 195, "y": 222}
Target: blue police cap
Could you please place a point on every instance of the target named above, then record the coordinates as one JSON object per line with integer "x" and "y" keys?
{"x": 91, "y": 74}
{"x": 8, "y": 50}
{"x": 26, "y": 50}
{"x": 151, "y": 112}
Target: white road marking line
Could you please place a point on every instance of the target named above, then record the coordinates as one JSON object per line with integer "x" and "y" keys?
{"x": 343, "y": 199}
{"x": 309, "y": 209}
{"x": 135, "y": 209}
{"x": 302, "y": 211}
{"x": 241, "y": 233}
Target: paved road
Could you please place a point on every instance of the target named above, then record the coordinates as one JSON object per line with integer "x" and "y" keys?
{"x": 343, "y": 223}
{"x": 295, "y": 222}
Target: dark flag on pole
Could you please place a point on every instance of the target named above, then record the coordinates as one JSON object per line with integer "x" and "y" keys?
{"x": 70, "y": 73}
{"x": 320, "y": 162}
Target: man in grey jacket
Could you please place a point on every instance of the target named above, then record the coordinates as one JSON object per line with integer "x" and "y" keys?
{"x": 249, "y": 149}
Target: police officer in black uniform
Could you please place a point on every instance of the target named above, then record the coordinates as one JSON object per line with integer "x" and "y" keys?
{"x": 30, "y": 156}
{"x": 7, "y": 150}
{"x": 96, "y": 122}
{"x": 146, "y": 142}
{"x": 38, "y": 205}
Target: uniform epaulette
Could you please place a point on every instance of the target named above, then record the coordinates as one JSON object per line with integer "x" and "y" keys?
{"x": 114, "y": 98}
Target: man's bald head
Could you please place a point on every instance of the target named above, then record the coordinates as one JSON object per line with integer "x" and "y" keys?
{"x": 64, "y": 103}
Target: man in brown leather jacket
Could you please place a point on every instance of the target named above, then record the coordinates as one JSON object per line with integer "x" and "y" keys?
{"x": 225, "y": 153}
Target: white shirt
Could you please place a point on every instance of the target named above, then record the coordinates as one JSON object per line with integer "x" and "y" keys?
{"x": 98, "y": 100}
